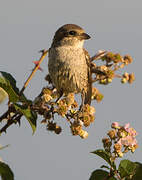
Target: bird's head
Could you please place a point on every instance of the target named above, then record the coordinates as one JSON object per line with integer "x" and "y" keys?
{"x": 70, "y": 35}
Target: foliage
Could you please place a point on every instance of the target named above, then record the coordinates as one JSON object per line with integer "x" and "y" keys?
{"x": 5, "y": 171}
{"x": 120, "y": 140}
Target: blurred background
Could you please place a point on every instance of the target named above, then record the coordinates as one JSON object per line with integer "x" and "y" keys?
{"x": 29, "y": 26}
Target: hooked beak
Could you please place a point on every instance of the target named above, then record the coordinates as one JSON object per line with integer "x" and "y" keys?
{"x": 85, "y": 36}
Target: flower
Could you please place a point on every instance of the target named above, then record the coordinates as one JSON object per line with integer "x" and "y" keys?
{"x": 47, "y": 97}
{"x": 118, "y": 147}
{"x": 120, "y": 154}
{"x": 126, "y": 126}
{"x": 112, "y": 134}
{"x": 131, "y": 131}
{"x": 121, "y": 133}
{"x": 83, "y": 134}
{"x": 131, "y": 78}
{"x": 106, "y": 143}
{"x": 128, "y": 141}
{"x": 115, "y": 125}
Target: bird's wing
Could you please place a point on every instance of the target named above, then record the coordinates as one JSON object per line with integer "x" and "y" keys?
{"x": 88, "y": 93}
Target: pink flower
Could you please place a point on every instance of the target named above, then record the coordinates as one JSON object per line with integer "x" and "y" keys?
{"x": 128, "y": 141}
{"x": 131, "y": 131}
{"x": 126, "y": 126}
{"x": 115, "y": 125}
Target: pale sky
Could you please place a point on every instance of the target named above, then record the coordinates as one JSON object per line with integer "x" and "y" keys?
{"x": 27, "y": 27}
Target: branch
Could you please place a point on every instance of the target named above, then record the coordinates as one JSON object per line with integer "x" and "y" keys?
{"x": 16, "y": 118}
{"x": 97, "y": 56}
{"x": 7, "y": 113}
{"x": 44, "y": 53}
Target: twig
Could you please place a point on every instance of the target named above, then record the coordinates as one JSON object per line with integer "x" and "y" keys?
{"x": 98, "y": 55}
{"x": 11, "y": 109}
{"x": 95, "y": 80}
{"x": 118, "y": 76}
{"x": 44, "y": 53}
{"x": 97, "y": 71}
{"x": 5, "y": 115}
{"x": 14, "y": 119}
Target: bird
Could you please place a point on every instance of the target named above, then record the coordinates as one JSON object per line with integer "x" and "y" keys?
{"x": 69, "y": 63}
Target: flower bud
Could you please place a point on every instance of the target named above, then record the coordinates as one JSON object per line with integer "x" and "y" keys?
{"x": 47, "y": 97}
{"x": 128, "y": 59}
{"x": 123, "y": 80}
{"x": 112, "y": 134}
{"x": 117, "y": 147}
{"x": 58, "y": 129}
{"x": 120, "y": 154}
{"x": 83, "y": 134}
{"x": 131, "y": 78}
{"x": 109, "y": 80}
{"x": 106, "y": 142}
{"x": 76, "y": 128}
{"x": 122, "y": 133}
{"x": 115, "y": 125}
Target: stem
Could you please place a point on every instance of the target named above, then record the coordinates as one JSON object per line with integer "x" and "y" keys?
{"x": 118, "y": 176}
{"x": 44, "y": 53}
{"x": 13, "y": 120}
{"x": 4, "y": 115}
{"x": 98, "y": 56}
{"x": 7, "y": 113}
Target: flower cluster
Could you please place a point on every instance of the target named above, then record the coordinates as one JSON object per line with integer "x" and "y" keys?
{"x": 83, "y": 118}
{"x": 52, "y": 126}
{"x": 66, "y": 107}
{"x": 128, "y": 78}
{"x": 76, "y": 129}
{"x": 120, "y": 140}
{"x": 87, "y": 115}
{"x": 65, "y": 104}
{"x": 117, "y": 58}
{"x": 107, "y": 72}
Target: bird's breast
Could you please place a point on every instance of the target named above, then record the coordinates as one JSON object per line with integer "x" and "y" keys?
{"x": 68, "y": 68}
{"x": 67, "y": 54}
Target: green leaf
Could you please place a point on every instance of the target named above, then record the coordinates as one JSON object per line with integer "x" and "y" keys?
{"x": 12, "y": 81}
{"x": 99, "y": 174}
{"x": 126, "y": 168}
{"x": 106, "y": 156}
{"x": 8, "y": 83}
{"x": 112, "y": 178}
{"x": 3, "y": 95}
{"x": 138, "y": 171}
{"x": 30, "y": 115}
{"x": 5, "y": 172}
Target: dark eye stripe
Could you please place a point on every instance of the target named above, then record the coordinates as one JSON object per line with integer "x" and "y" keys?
{"x": 72, "y": 33}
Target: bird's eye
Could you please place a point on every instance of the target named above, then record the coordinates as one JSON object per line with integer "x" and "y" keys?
{"x": 72, "y": 33}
